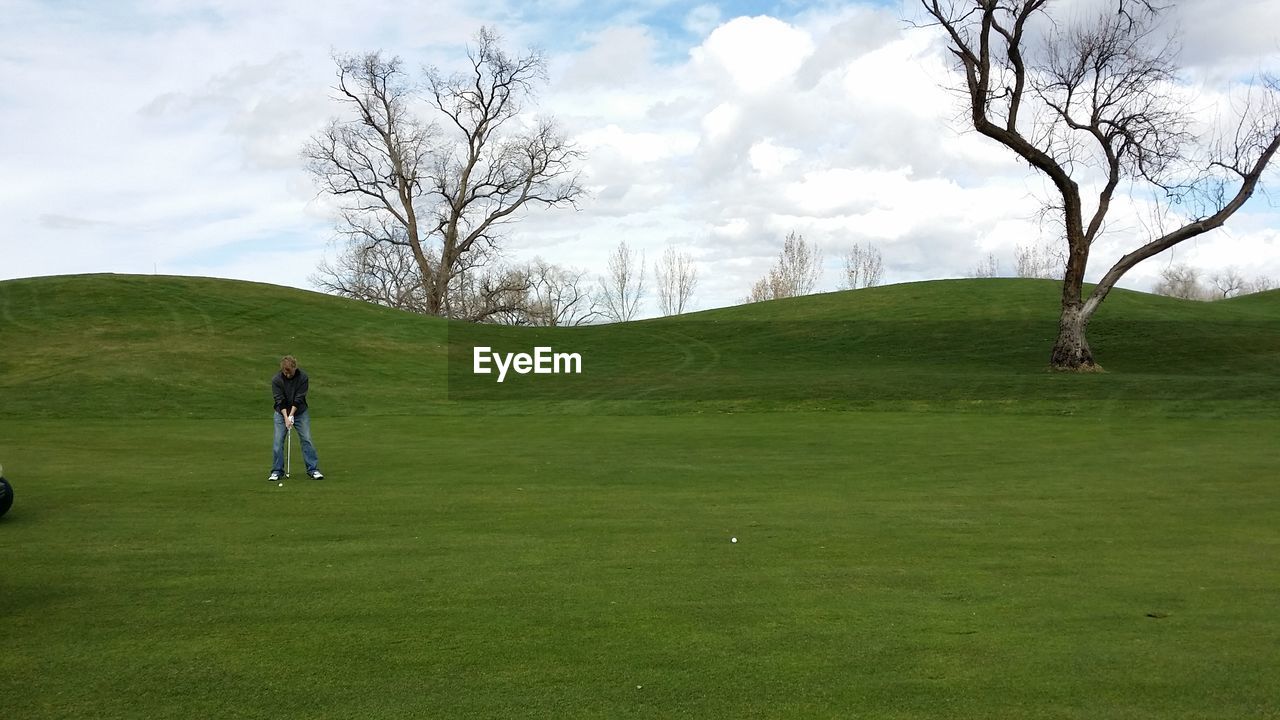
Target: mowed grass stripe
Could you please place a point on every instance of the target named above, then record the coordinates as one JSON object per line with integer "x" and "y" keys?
{"x": 134, "y": 346}
{"x": 890, "y": 565}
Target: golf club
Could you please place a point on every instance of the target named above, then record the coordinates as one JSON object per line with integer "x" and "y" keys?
{"x": 288, "y": 453}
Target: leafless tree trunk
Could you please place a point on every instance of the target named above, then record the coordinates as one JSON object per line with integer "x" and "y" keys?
{"x": 559, "y": 296}
{"x": 490, "y": 170}
{"x": 677, "y": 277}
{"x": 380, "y": 273}
{"x": 486, "y": 293}
{"x": 622, "y": 289}
{"x": 1228, "y": 281}
{"x": 374, "y": 165}
{"x": 1181, "y": 281}
{"x": 387, "y": 275}
{"x": 796, "y": 273}
{"x": 1101, "y": 96}
{"x": 443, "y": 193}
{"x": 863, "y": 267}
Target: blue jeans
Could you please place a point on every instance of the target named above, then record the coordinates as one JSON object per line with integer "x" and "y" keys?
{"x": 301, "y": 426}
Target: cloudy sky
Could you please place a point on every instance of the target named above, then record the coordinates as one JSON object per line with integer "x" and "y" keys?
{"x": 141, "y": 136}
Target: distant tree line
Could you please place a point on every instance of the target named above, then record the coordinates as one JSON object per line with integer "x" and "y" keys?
{"x": 1089, "y": 102}
{"x": 1189, "y": 283}
{"x": 1179, "y": 280}
{"x": 797, "y": 270}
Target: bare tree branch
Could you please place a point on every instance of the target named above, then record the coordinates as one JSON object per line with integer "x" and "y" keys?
{"x": 1039, "y": 261}
{"x": 1228, "y": 281}
{"x": 1181, "y": 281}
{"x": 559, "y": 296}
{"x": 622, "y": 289}
{"x": 796, "y": 272}
{"x": 443, "y": 195}
{"x": 863, "y": 267}
{"x": 1102, "y": 95}
{"x": 677, "y": 277}
{"x": 987, "y": 267}
{"x": 483, "y": 178}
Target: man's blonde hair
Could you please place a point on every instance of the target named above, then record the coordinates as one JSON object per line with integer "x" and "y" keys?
{"x": 288, "y": 362}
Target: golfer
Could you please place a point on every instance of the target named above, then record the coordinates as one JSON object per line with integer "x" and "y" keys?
{"x": 289, "y": 388}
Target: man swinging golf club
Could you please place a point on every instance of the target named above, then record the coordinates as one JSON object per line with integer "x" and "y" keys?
{"x": 289, "y": 388}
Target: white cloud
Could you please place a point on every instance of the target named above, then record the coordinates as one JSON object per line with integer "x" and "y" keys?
{"x": 636, "y": 146}
{"x": 721, "y": 121}
{"x": 769, "y": 159}
{"x": 756, "y": 54}
{"x": 617, "y": 56}
{"x": 903, "y": 76}
{"x": 170, "y": 140}
{"x": 734, "y": 228}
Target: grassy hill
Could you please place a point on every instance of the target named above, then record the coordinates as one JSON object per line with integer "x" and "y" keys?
{"x": 145, "y": 346}
{"x": 562, "y": 549}
{"x": 141, "y": 346}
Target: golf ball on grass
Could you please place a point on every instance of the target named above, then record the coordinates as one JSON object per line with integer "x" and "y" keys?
{"x": 281, "y": 485}
{"x": 733, "y": 539}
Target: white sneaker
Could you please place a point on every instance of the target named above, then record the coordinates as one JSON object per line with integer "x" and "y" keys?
{"x": 317, "y": 475}
{"x": 275, "y": 476}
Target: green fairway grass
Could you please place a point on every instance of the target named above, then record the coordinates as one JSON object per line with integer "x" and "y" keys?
{"x": 944, "y": 531}
{"x": 135, "y": 346}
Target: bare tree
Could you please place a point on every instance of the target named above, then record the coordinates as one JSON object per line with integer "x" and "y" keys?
{"x": 622, "y": 289}
{"x": 760, "y": 291}
{"x": 490, "y": 293}
{"x": 559, "y": 296}
{"x": 488, "y": 173}
{"x": 863, "y": 267}
{"x": 796, "y": 272}
{"x": 387, "y": 274}
{"x": 1260, "y": 283}
{"x": 1181, "y": 281}
{"x": 677, "y": 277}
{"x": 374, "y": 165}
{"x": 987, "y": 267}
{"x": 1101, "y": 95}
{"x": 443, "y": 193}
{"x": 380, "y": 273}
{"x": 1039, "y": 261}
{"x": 1228, "y": 281}
{"x": 798, "y": 269}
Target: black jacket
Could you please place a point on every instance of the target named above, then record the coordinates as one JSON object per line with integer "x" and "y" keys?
{"x": 290, "y": 392}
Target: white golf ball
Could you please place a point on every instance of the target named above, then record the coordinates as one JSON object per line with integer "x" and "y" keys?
{"x": 281, "y": 484}
{"x": 733, "y": 539}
